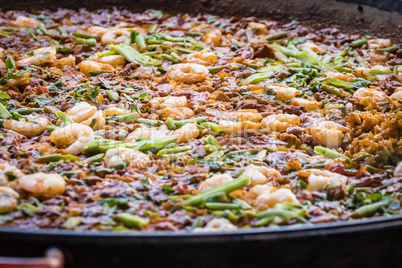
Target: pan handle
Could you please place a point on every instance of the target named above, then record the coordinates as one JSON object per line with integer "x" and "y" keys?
{"x": 53, "y": 258}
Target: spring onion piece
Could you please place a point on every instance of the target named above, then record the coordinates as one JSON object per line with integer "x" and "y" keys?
{"x": 359, "y": 43}
{"x": 4, "y": 114}
{"x": 369, "y": 210}
{"x": 175, "y": 150}
{"x": 55, "y": 158}
{"x": 65, "y": 119}
{"x": 131, "y": 221}
{"x": 276, "y": 36}
{"x": 89, "y": 42}
{"x": 85, "y": 36}
{"x": 130, "y": 54}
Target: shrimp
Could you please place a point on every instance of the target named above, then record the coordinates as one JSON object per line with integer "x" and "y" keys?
{"x": 187, "y": 72}
{"x": 260, "y": 174}
{"x": 31, "y": 127}
{"x": 88, "y": 66}
{"x": 269, "y": 199}
{"x": 186, "y": 132}
{"x": 366, "y": 95}
{"x": 280, "y": 122}
{"x": 115, "y": 36}
{"x": 177, "y": 113}
{"x": 42, "y": 183}
{"x": 340, "y": 76}
{"x": 233, "y": 126}
{"x": 8, "y": 199}
{"x": 145, "y": 132}
{"x": 314, "y": 47}
{"x": 398, "y": 170}
{"x": 217, "y": 225}
{"x": 328, "y": 133}
{"x": 26, "y": 22}
{"x": 251, "y": 195}
{"x": 397, "y": 95}
{"x": 258, "y": 28}
{"x": 40, "y": 56}
{"x": 284, "y": 93}
{"x": 97, "y": 30}
{"x": 115, "y": 111}
{"x": 87, "y": 114}
{"x": 309, "y": 104}
{"x": 67, "y": 61}
{"x": 164, "y": 102}
{"x": 9, "y": 172}
{"x": 246, "y": 115}
{"x": 18, "y": 80}
{"x": 365, "y": 72}
{"x": 214, "y": 181}
{"x": 317, "y": 178}
{"x": 113, "y": 60}
{"x": 379, "y": 43}
{"x": 126, "y": 156}
{"x": 202, "y": 57}
{"x": 212, "y": 37}
{"x": 74, "y": 136}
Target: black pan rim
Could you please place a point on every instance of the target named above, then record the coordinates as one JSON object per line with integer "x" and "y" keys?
{"x": 283, "y": 232}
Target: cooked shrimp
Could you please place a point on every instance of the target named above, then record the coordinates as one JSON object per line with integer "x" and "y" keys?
{"x": 202, "y": 57}
{"x": 317, "y": 178}
{"x": 87, "y": 114}
{"x": 260, "y": 174}
{"x": 67, "y": 61}
{"x": 113, "y": 60}
{"x": 115, "y": 36}
{"x": 8, "y": 199}
{"x": 212, "y": 37}
{"x": 88, "y": 66}
{"x": 366, "y": 95}
{"x": 40, "y": 56}
{"x": 234, "y": 126}
{"x": 97, "y": 30}
{"x": 251, "y": 115}
{"x": 217, "y": 225}
{"x": 269, "y": 199}
{"x": 127, "y": 157}
{"x": 284, "y": 93}
{"x": 74, "y": 136}
{"x": 314, "y": 47}
{"x": 31, "y": 127}
{"x": 379, "y": 43}
{"x": 251, "y": 195}
{"x": 164, "y": 102}
{"x": 309, "y": 104}
{"x": 115, "y": 111}
{"x": 145, "y": 132}
{"x": 26, "y": 22}
{"x": 365, "y": 72}
{"x": 186, "y": 132}
{"x": 258, "y": 28}
{"x": 187, "y": 72}
{"x": 9, "y": 172}
{"x": 328, "y": 133}
{"x": 177, "y": 113}
{"x": 18, "y": 80}
{"x": 214, "y": 181}
{"x": 280, "y": 122}
{"x": 42, "y": 183}
{"x": 397, "y": 95}
{"x": 340, "y": 76}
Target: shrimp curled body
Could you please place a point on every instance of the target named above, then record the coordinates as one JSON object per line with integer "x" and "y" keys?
{"x": 31, "y": 128}
{"x": 42, "y": 183}
{"x": 74, "y": 136}
{"x": 187, "y": 72}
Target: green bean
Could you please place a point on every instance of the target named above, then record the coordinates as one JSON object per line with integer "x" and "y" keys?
{"x": 221, "y": 206}
{"x": 284, "y": 214}
{"x": 175, "y": 57}
{"x": 369, "y": 210}
{"x": 131, "y": 221}
{"x": 51, "y": 127}
{"x": 95, "y": 158}
{"x": 85, "y": 36}
{"x": 359, "y": 43}
{"x": 62, "y": 31}
{"x": 360, "y": 158}
{"x": 24, "y": 111}
{"x": 98, "y": 72}
{"x": 55, "y": 158}
{"x": 372, "y": 169}
{"x": 212, "y": 141}
{"x": 214, "y": 69}
{"x": 130, "y": 54}
{"x": 276, "y": 36}
{"x": 106, "y": 53}
{"x": 168, "y": 57}
{"x": 139, "y": 40}
{"x": 330, "y": 153}
{"x": 331, "y": 90}
{"x": 391, "y": 49}
{"x": 149, "y": 122}
{"x": 197, "y": 223}
{"x": 174, "y": 150}
{"x": 225, "y": 188}
{"x": 89, "y": 42}
{"x": 126, "y": 118}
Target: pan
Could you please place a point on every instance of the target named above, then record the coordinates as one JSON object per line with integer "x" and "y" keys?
{"x": 373, "y": 242}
